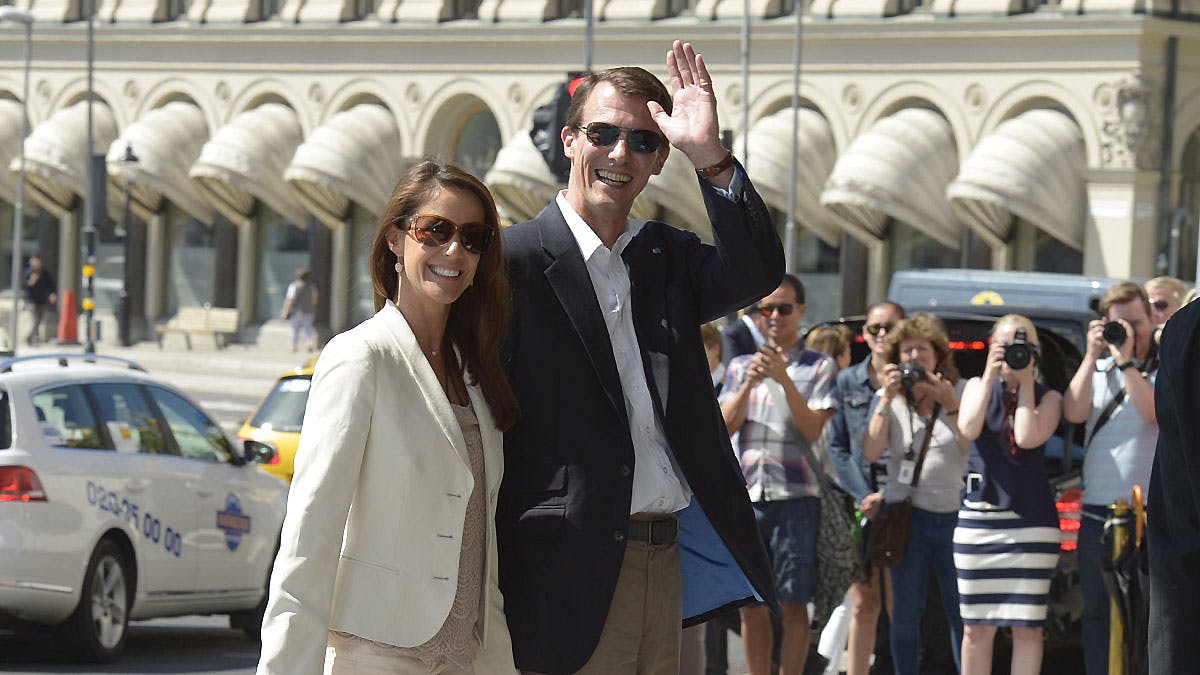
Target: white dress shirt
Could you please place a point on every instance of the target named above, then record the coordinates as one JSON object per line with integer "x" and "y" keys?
{"x": 658, "y": 485}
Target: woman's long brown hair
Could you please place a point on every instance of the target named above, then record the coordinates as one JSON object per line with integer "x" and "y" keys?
{"x": 479, "y": 318}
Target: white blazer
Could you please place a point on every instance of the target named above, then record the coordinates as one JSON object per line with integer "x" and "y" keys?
{"x": 373, "y": 531}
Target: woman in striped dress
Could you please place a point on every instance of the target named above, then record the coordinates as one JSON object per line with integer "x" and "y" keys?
{"x": 1007, "y": 541}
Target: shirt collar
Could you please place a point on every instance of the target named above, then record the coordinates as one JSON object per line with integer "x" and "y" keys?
{"x": 862, "y": 371}
{"x": 586, "y": 238}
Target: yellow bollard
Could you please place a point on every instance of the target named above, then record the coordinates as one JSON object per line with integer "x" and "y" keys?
{"x": 1116, "y": 631}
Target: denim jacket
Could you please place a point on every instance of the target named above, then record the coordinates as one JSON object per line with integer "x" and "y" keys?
{"x": 856, "y": 401}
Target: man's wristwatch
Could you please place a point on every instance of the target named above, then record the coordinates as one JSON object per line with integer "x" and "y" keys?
{"x": 1126, "y": 366}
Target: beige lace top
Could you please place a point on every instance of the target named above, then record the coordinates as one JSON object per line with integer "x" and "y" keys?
{"x": 457, "y": 641}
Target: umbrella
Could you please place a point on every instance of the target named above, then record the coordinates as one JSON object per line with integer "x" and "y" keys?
{"x": 1127, "y": 577}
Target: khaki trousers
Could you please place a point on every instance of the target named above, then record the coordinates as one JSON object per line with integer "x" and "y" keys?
{"x": 641, "y": 633}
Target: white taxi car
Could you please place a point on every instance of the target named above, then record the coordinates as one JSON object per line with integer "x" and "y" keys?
{"x": 120, "y": 499}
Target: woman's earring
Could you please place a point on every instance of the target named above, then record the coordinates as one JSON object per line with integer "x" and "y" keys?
{"x": 399, "y": 266}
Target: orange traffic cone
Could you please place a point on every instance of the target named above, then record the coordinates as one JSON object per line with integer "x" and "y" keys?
{"x": 68, "y": 320}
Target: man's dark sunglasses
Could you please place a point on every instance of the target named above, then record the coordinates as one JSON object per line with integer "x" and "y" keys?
{"x": 876, "y": 328}
{"x": 604, "y": 135}
{"x": 430, "y": 229}
{"x": 784, "y": 309}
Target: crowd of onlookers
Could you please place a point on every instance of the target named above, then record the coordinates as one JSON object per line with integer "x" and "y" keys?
{"x": 966, "y": 456}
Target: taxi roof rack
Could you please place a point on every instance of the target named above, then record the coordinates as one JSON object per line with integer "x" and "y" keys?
{"x": 64, "y": 359}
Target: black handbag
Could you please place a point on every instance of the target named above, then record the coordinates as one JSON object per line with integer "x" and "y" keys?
{"x": 838, "y": 564}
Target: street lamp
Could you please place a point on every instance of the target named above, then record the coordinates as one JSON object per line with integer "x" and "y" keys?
{"x": 128, "y": 161}
{"x": 10, "y": 13}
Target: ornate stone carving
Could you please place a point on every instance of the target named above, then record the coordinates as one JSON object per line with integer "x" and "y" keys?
{"x": 852, "y": 97}
{"x": 413, "y": 95}
{"x": 516, "y": 95}
{"x": 222, "y": 91}
{"x": 132, "y": 90}
{"x": 316, "y": 93}
{"x": 975, "y": 98}
{"x": 1128, "y": 123}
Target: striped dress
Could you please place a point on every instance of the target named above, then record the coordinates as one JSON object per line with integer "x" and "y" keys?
{"x": 1006, "y": 544}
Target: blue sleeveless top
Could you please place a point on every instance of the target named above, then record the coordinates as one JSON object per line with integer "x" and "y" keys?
{"x": 1017, "y": 482}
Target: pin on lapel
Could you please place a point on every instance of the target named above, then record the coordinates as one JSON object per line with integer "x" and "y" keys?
{"x": 656, "y": 250}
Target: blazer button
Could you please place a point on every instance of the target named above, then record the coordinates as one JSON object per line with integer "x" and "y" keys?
{"x": 625, "y": 471}
{"x": 618, "y": 535}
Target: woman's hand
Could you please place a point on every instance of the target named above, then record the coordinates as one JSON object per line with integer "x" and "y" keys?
{"x": 890, "y": 380}
{"x": 870, "y": 504}
{"x": 995, "y": 359}
{"x": 940, "y": 388}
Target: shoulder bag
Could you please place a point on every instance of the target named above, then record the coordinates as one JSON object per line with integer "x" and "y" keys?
{"x": 837, "y": 555}
{"x": 887, "y": 534}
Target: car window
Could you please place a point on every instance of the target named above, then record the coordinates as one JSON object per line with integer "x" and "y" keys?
{"x": 283, "y": 409}
{"x": 65, "y": 418}
{"x": 132, "y": 424}
{"x": 5, "y": 421}
{"x": 197, "y": 436}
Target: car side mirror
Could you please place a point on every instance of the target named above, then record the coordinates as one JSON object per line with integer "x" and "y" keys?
{"x": 257, "y": 452}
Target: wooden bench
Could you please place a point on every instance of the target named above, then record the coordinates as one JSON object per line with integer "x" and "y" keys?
{"x": 215, "y": 321}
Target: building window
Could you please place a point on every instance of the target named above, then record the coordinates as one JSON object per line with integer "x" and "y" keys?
{"x": 29, "y": 244}
{"x": 465, "y": 9}
{"x": 913, "y": 249}
{"x": 1036, "y": 251}
{"x": 363, "y": 224}
{"x": 680, "y": 8}
{"x": 1188, "y": 219}
{"x": 267, "y": 9}
{"x": 477, "y": 143}
{"x": 283, "y": 248}
{"x": 191, "y": 261}
{"x": 819, "y": 266}
{"x": 570, "y": 9}
{"x": 363, "y": 9}
{"x": 175, "y": 9}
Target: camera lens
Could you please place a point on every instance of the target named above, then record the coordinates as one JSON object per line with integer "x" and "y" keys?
{"x": 1114, "y": 333}
{"x": 911, "y": 374}
{"x": 1017, "y": 356}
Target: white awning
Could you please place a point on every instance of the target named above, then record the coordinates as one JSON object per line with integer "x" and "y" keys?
{"x": 676, "y": 190}
{"x": 771, "y": 164}
{"x": 55, "y": 155}
{"x": 1033, "y": 167}
{"x": 898, "y": 169}
{"x": 10, "y": 140}
{"x": 520, "y": 181}
{"x": 354, "y": 157}
{"x": 166, "y": 141}
{"x": 245, "y": 161}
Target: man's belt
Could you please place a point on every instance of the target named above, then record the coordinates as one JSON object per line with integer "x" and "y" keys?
{"x": 659, "y": 531}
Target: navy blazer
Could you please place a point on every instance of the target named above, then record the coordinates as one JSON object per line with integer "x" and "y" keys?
{"x": 564, "y": 504}
{"x": 1173, "y": 500}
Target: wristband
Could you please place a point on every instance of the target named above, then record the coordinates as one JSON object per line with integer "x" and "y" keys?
{"x": 882, "y": 410}
{"x": 951, "y": 413}
{"x": 1126, "y": 366}
{"x": 710, "y": 171}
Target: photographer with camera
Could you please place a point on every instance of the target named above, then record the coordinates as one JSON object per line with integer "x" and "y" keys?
{"x": 1113, "y": 391}
{"x": 914, "y": 420}
{"x": 1007, "y": 521}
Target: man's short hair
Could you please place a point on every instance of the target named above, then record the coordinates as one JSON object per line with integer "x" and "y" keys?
{"x": 1177, "y": 288}
{"x": 629, "y": 80}
{"x": 887, "y": 303}
{"x": 793, "y": 281}
{"x": 1122, "y": 293}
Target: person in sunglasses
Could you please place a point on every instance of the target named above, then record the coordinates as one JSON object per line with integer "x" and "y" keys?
{"x": 622, "y": 513}
{"x": 776, "y": 405}
{"x": 856, "y": 387}
{"x": 388, "y": 561}
{"x": 1166, "y": 297}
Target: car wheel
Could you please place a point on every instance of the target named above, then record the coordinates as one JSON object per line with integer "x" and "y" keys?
{"x": 249, "y": 621}
{"x": 100, "y": 622}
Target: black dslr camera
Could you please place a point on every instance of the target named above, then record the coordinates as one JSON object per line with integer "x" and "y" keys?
{"x": 910, "y": 374}
{"x": 1114, "y": 333}
{"x": 1018, "y": 353}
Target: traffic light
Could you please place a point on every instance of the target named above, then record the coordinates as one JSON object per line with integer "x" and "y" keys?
{"x": 548, "y": 121}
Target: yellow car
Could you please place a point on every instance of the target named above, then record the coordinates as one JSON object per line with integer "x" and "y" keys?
{"x": 277, "y": 419}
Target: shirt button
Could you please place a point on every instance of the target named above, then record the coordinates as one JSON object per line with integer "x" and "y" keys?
{"x": 625, "y": 470}
{"x": 664, "y": 470}
{"x": 618, "y": 535}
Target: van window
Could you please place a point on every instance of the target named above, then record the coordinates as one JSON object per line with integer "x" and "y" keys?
{"x": 65, "y": 418}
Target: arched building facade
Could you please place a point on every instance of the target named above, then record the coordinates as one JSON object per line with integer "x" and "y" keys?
{"x": 268, "y": 135}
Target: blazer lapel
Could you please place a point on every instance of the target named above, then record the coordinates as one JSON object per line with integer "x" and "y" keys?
{"x": 568, "y": 276}
{"x": 647, "y": 264}
{"x": 493, "y": 446}
{"x": 409, "y": 352}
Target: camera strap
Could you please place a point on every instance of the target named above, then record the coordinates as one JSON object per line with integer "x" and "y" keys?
{"x": 1107, "y": 413}
{"x": 937, "y": 410}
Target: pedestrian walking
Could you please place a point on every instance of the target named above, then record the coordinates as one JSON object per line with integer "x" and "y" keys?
{"x": 300, "y": 308}
{"x": 623, "y": 512}
{"x": 41, "y": 295}
{"x": 1006, "y": 544}
{"x": 388, "y": 560}
{"x": 914, "y": 420}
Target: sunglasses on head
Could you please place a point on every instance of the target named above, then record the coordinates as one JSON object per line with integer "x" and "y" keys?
{"x": 430, "y": 229}
{"x": 877, "y": 328}
{"x": 784, "y": 309}
{"x": 1160, "y": 305}
{"x": 605, "y": 135}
